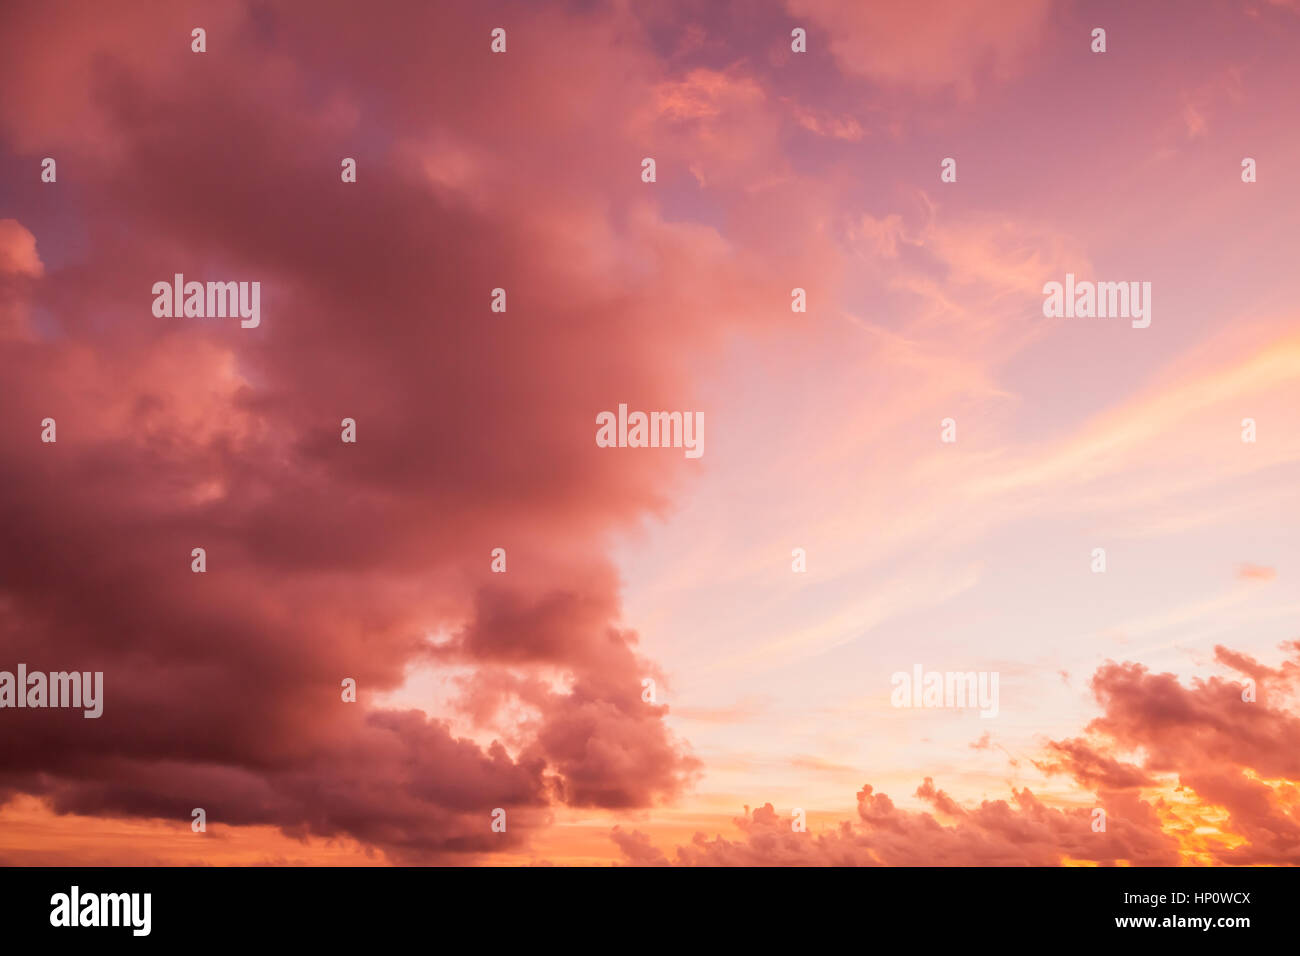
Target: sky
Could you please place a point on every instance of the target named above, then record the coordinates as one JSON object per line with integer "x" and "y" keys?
{"x": 686, "y": 660}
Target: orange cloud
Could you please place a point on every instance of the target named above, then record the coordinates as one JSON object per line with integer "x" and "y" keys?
{"x": 1215, "y": 779}
{"x": 1256, "y": 572}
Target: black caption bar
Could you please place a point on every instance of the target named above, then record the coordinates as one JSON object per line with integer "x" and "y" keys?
{"x": 147, "y": 906}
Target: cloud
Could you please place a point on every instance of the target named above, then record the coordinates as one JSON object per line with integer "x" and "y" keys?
{"x": 928, "y": 45}
{"x": 1020, "y": 832}
{"x": 18, "y": 251}
{"x": 1189, "y": 774}
{"x": 325, "y": 560}
{"x": 637, "y": 848}
{"x": 475, "y": 428}
{"x": 1255, "y": 572}
{"x": 20, "y": 265}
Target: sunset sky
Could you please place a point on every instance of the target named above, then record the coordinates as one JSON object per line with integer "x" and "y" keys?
{"x": 775, "y": 170}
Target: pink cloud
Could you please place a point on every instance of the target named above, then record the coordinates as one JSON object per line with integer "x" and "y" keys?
{"x": 1228, "y": 757}
{"x": 929, "y": 45}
